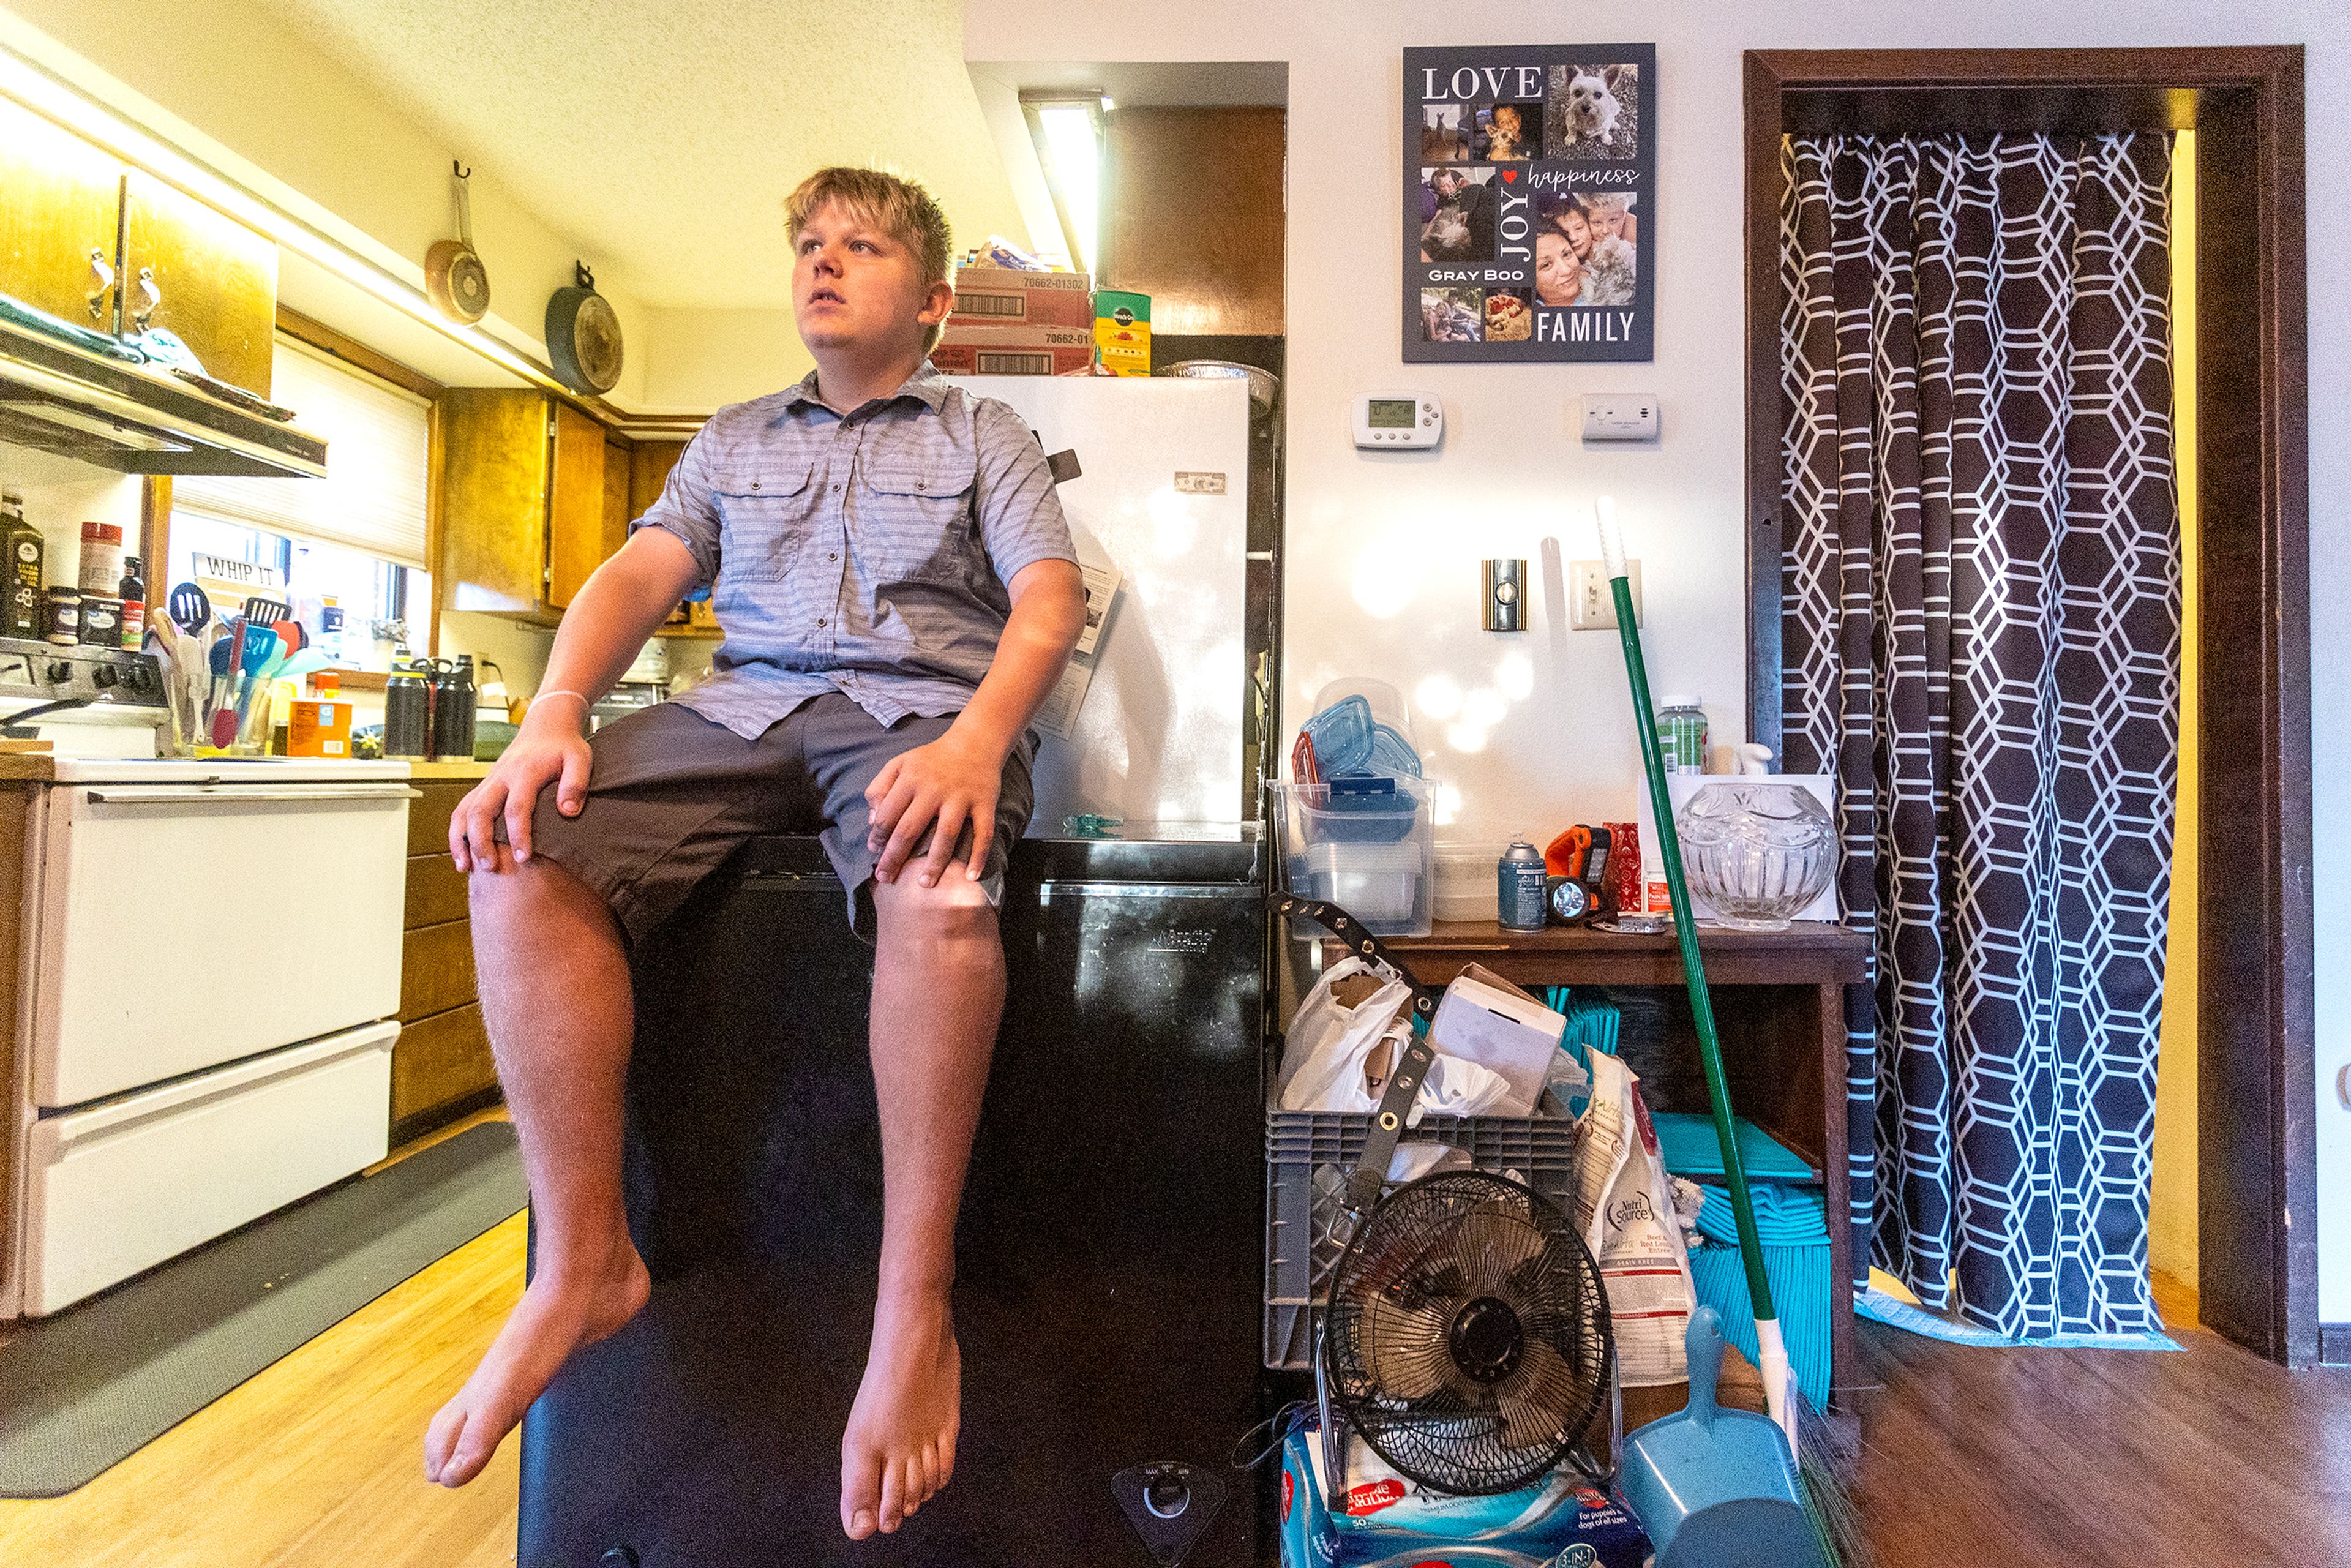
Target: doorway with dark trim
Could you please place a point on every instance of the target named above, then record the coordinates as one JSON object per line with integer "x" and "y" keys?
{"x": 2255, "y": 1027}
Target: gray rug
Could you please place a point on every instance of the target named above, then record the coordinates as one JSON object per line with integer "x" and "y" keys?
{"x": 82, "y": 1390}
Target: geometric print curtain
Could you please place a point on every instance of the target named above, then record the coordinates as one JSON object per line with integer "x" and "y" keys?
{"x": 1981, "y": 626}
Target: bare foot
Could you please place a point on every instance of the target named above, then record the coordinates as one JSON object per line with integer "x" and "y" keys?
{"x": 899, "y": 1450}
{"x": 554, "y": 1318}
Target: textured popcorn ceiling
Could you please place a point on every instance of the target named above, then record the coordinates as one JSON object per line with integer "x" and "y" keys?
{"x": 665, "y": 133}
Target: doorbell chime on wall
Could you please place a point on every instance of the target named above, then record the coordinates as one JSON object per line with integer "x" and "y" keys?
{"x": 1506, "y": 584}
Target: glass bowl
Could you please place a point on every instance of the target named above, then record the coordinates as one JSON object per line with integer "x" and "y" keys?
{"x": 1758, "y": 851}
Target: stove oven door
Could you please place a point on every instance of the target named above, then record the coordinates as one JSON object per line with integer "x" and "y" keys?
{"x": 175, "y": 926}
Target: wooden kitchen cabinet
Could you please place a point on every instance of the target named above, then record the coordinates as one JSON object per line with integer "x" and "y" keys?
{"x": 59, "y": 197}
{"x": 213, "y": 281}
{"x": 526, "y": 511}
{"x": 441, "y": 1068}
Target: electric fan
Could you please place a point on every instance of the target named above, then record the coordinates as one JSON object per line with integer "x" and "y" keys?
{"x": 1467, "y": 1339}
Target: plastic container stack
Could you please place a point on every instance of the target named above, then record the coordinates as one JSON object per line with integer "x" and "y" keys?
{"x": 1354, "y": 822}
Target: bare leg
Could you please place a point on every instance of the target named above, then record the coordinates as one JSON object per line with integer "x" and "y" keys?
{"x": 555, "y": 991}
{"x": 938, "y": 991}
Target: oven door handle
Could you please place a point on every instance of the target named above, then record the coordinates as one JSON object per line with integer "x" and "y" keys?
{"x": 242, "y": 794}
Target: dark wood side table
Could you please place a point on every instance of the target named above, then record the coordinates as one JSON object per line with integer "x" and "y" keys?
{"x": 1780, "y": 1001}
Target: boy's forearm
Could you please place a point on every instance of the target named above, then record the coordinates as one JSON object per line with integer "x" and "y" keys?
{"x": 621, "y": 604}
{"x": 1035, "y": 648}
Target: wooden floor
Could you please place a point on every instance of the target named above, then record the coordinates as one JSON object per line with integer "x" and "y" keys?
{"x": 2063, "y": 1459}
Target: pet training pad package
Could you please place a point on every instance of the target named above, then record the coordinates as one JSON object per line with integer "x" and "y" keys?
{"x": 1581, "y": 1526}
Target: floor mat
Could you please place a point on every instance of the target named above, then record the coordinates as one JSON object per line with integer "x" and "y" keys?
{"x": 1896, "y": 1313}
{"x": 82, "y": 1390}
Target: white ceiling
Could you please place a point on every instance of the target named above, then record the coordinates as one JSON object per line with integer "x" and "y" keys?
{"x": 664, "y": 134}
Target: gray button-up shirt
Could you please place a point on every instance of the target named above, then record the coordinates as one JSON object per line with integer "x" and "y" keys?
{"x": 865, "y": 553}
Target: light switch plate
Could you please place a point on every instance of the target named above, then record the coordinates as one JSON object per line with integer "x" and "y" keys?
{"x": 1590, "y": 607}
{"x": 1620, "y": 416}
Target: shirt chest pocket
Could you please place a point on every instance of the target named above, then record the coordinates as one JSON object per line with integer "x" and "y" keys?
{"x": 767, "y": 516}
{"x": 916, "y": 522}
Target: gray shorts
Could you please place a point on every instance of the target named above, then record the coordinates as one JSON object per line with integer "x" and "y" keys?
{"x": 672, "y": 794}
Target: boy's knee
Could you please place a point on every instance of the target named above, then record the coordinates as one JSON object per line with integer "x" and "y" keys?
{"x": 955, "y": 907}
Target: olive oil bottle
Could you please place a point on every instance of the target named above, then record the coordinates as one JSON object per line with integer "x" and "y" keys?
{"x": 21, "y": 543}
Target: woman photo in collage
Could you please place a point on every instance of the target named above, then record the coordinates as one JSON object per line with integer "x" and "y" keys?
{"x": 1586, "y": 247}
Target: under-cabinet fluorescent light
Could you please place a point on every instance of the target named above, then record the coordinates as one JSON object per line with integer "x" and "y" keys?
{"x": 45, "y": 95}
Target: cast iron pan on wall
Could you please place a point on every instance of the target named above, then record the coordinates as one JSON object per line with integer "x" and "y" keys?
{"x": 583, "y": 336}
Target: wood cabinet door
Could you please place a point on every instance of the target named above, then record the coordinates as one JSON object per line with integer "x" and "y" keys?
{"x": 575, "y": 509}
{"x": 216, "y": 280}
{"x": 649, "y": 467}
{"x": 618, "y": 465}
{"x": 493, "y": 493}
{"x": 58, "y": 201}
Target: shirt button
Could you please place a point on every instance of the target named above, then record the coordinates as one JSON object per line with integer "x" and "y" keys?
{"x": 755, "y": 484}
{"x": 831, "y": 555}
{"x": 836, "y": 489}
{"x": 819, "y": 620}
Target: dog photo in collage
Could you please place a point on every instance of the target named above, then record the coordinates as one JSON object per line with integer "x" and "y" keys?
{"x": 1593, "y": 111}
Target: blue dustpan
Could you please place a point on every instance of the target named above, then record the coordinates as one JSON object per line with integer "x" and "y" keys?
{"x": 1717, "y": 1487}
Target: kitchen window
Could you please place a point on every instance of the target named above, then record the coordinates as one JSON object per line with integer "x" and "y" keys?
{"x": 356, "y": 537}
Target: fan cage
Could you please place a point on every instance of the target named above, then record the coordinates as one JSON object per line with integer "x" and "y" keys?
{"x": 1468, "y": 1338}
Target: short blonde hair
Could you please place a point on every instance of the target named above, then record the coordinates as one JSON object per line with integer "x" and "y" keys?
{"x": 911, "y": 214}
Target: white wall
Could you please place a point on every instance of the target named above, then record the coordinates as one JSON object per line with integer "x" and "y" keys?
{"x": 1385, "y": 549}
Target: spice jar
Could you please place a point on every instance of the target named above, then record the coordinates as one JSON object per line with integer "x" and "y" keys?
{"x": 61, "y": 614}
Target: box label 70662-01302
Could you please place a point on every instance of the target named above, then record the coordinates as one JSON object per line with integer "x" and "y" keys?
{"x": 1188, "y": 483}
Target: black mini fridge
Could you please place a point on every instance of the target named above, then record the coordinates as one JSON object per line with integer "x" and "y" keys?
{"x": 1109, "y": 1250}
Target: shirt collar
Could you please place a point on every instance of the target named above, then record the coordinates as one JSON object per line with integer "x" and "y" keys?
{"x": 926, "y": 386}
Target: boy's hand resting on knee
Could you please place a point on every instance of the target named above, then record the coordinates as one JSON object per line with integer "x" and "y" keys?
{"x": 945, "y": 786}
{"x": 548, "y": 750}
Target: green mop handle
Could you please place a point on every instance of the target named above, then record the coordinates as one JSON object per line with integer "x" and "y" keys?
{"x": 1669, "y": 850}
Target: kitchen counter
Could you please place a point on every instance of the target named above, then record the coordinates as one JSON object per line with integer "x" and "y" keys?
{"x": 40, "y": 768}
{"x": 421, "y": 770}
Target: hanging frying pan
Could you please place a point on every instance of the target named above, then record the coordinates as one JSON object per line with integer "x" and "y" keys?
{"x": 583, "y": 336}
{"x": 454, "y": 277}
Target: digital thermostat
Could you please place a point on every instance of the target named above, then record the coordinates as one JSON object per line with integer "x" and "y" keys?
{"x": 1391, "y": 420}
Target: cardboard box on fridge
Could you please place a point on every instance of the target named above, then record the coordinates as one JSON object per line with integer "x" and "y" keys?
{"x": 1015, "y": 352}
{"x": 1008, "y": 297}
{"x": 1122, "y": 331}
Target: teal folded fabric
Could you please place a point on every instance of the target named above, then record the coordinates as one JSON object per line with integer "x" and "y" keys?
{"x": 1691, "y": 1149}
{"x": 1785, "y": 1215}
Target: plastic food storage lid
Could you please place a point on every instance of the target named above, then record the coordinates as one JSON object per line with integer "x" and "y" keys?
{"x": 1677, "y": 702}
{"x": 1342, "y": 735}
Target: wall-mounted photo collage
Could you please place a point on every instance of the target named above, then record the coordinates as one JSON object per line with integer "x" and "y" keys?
{"x": 1529, "y": 203}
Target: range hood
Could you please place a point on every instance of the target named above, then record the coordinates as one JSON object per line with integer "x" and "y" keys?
{"x": 57, "y": 398}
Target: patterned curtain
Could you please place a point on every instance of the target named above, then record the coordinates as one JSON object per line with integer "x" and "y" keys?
{"x": 1982, "y": 636}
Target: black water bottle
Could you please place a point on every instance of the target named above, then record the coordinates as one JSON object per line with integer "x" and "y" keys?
{"x": 408, "y": 712}
{"x": 452, "y": 711}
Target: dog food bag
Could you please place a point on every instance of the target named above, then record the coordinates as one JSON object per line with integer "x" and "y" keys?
{"x": 1624, "y": 1211}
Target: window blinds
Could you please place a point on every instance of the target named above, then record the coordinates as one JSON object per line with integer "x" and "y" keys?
{"x": 373, "y": 498}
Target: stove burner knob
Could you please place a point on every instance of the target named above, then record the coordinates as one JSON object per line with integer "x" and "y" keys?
{"x": 60, "y": 672}
{"x": 103, "y": 675}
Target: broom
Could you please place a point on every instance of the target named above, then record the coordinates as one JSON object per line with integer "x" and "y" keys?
{"x": 1832, "y": 1517}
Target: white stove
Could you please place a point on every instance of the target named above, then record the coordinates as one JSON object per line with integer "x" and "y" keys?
{"x": 208, "y": 983}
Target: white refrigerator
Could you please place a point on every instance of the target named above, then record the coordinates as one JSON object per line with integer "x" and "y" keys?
{"x": 1163, "y": 497}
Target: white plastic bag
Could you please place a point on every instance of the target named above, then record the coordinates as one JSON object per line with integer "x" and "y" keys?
{"x": 1329, "y": 1040}
{"x": 1338, "y": 1055}
{"x": 1625, "y": 1208}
